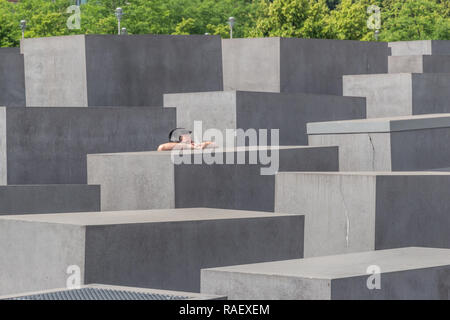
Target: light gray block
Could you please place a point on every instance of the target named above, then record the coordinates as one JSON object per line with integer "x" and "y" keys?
{"x": 419, "y": 64}
{"x": 12, "y": 82}
{"x": 360, "y": 211}
{"x": 27, "y": 199}
{"x": 298, "y": 65}
{"x": 407, "y": 143}
{"x": 106, "y": 292}
{"x": 151, "y": 180}
{"x": 111, "y": 70}
{"x": 49, "y": 145}
{"x": 160, "y": 249}
{"x": 262, "y": 110}
{"x": 401, "y": 94}
{"x": 420, "y": 47}
{"x": 407, "y": 273}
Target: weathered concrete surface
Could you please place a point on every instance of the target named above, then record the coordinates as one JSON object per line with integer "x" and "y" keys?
{"x": 116, "y": 292}
{"x": 134, "y": 181}
{"x": 111, "y": 70}
{"x": 420, "y": 47}
{"x": 407, "y": 273}
{"x": 161, "y": 249}
{"x": 398, "y": 143}
{"x": 55, "y": 71}
{"x": 360, "y": 211}
{"x": 49, "y": 145}
{"x": 262, "y": 110}
{"x": 298, "y": 65}
{"x": 390, "y": 95}
{"x": 419, "y": 64}
{"x": 151, "y": 180}
{"x": 12, "y": 82}
{"x": 27, "y": 199}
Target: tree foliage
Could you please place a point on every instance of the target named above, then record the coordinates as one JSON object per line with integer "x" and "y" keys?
{"x": 416, "y": 20}
{"x": 335, "y": 19}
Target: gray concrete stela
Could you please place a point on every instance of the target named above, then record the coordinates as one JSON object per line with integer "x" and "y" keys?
{"x": 126, "y": 179}
{"x": 160, "y": 249}
{"x": 108, "y": 70}
{"x": 49, "y": 145}
{"x": 12, "y": 78}
{"x": 344, "y": 209}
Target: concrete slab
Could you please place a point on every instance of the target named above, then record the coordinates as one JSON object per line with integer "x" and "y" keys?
{"x": 111, "y": 70}
{"x": 407, "y": 273}
{"x": 298, "y": 65}
{"x": 419, "y": 64}
{"x": 387, "y": 144}
{"x": 152, "y": 180}
{"x": 360, "y": 211}
{"x": 105, "y": 292}
{"x": 12, "y": 81}
{"x": 401, "y": 94}
{"x": 420, "y": 47}
{"x": 49, "y": 145}
{"x": 160, "y": 249}
{"x": 29, "y": 199}
{"x": 263, "y": 110}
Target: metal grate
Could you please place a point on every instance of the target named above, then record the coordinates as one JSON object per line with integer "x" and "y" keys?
{"x": 99, "y": 294}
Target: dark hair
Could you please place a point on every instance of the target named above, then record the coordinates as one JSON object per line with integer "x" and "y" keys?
{"x": 175, "y": 134}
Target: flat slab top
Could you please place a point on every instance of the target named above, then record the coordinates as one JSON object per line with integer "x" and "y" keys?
{"x": 208, "y": 150}
{"x": 435, "y": 47}
{"x": 232, "y": 93}
{"x": 108, "y": 292}
{"x": 142, "y": 216}
{"x": 368, "y": 173}
{"x": 92, "y": 109}
{"x": 348, "y": 265}
{"x": 390, "y": 124}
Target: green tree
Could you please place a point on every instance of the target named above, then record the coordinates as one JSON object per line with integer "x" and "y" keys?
{"x": 416, "y": 20}
{"x": 340, "y": 19}
{"x": 349, "y": 20}
{"x": 9, "y": 26}
{"x": 292, "y": 18}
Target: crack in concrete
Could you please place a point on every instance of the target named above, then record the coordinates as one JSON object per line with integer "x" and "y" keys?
{"x": 373, "y": 151}
{"x": 347, "y": 226}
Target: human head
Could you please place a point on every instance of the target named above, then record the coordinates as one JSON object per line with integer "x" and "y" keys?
{"x": 180, "y": 135}
{"x": 186, "y": 138}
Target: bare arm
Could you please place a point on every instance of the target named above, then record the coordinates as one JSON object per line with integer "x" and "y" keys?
{"x": 207, "y": 144}
{"x": 167, "y": 146}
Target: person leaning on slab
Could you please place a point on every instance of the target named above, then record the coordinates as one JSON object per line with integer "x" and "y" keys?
{"x": 180, "y": 138}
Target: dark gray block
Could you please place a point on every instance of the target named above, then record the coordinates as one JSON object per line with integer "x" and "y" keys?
{"x": 236, "y": 186}
{"x": 419, "y": 47}
{"x": 298, "y": 65}
{"x": 407, "y": 273}
{"x": 263, "y": 110}
{"x": 111, "y": 70}
{"x": 49, "y": 145}
{"x": 48, "y": 198}
{"x": 151, "y": 180}
{"x": 407, "y": 143}
{"x": 360, "y": 211}
{"x": 160, "y": 249}
{"x": 12, "y": 81}
{"x": 401, "y": 94}
{"x": 419, "y": 64}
